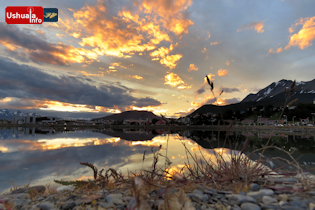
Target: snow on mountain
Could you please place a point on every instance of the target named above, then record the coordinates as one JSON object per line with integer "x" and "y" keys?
{"x": 6, "y": 114}
{"x": 304, "y": 92}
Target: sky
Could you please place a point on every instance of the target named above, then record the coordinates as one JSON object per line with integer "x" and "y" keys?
{"x": 105, "y": 57}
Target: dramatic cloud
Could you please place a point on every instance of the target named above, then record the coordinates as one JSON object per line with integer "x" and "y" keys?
{"x": 305, "y": 36}
{"x": 173, "y": 80}
{"x": 171, "y": 60}
{"x": 134, "y": 30}
{"x": 229, "y": 90}
{"x": 192, "y": 67}
{"x": 222, "y": 72}
{"x": 26, "y": 82}
{"x": 41, "y": 51}
{"x": 258, "y": 26}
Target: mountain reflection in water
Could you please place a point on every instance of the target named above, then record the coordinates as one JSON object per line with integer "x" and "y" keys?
{"x": 48, "y": 154}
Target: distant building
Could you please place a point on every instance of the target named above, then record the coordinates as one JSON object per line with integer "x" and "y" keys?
{"x": 24, "y": 120}
{"x": 33, "y": 120}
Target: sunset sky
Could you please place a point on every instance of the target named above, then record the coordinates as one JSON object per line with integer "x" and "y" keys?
{"x": 106, "y": 57}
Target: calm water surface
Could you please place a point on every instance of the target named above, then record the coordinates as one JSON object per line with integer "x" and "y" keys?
{"x": 46, "y": 154}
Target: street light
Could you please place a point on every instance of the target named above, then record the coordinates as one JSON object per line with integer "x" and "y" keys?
{"x": 293, "y": 119}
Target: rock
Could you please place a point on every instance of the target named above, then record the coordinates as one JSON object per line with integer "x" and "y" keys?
{"x": 115, "y": 198}
{"x": 46, "y": 206}
{"x": 38, "y": 189}
{"x": 311, "y": 206}
{"x": 127, "y": 198}
{"x": 283, "y": 197}
{"x": 250, "y": 206}
{"x": 87, "y": 199}
{"x": 68, "y": 205}
{"x": 268, "y": 200}
{"x": 225, "y": 192}
{"x": 254, "y": 187}
{"x": 199, "y": 192}
{"x": 283, "y": 203}
{"x": 311, "y": 192}
{"x": 107, "y": 205}
{"x": 62, "y": 189}
{"x": 210, "y": 192}
{"x": 261, "y": 193}
{"x": 200, "y": 187}
{"x": 2, "y": 206}
{"x": 284, "y": 180}
{"x": 239, "y": 199}
{"x": 194, "y": 197}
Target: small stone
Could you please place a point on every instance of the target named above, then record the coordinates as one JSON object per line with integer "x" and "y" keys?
{"x": 115, "y": 198}
{"x": 284, "y": 180}
{"x": 239, "y": 199}
{"x": 62, "y": 189}
{"x": 250, "y": 206}
{"x": 46, "y": 206}
{"x": 311, "y": 206}
{"x": 194, "y": 197}
{"x": 295, "y": 203}
{"x": 261, "y": 193}
{"x": 311, "y": 192}
{"x": 210, "y": 192}
{"x": 283, "y": 203}
{"x": 283, "y": 197}
{"x": 2, "y": 206}
{"x": 225, "y": 192}
{"x": 199, "y": 192}
{"x": 87, "y": 199}
{"x": 268, "y": 200}
{"x": 200, "y": 187}
{"x": 254, "y": 187}
{"x": 127, "y": 198}
{"x": 106, "y": 205}
{"x": 68, "y": 205}
{"x": 203, "y": 207}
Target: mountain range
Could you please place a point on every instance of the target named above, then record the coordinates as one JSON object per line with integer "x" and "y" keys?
{"x": 130, "y": 115}
{"x": 6, "y": 114}
{"x": 274, "y": 94}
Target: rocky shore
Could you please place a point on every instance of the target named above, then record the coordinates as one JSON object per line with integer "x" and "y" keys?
{"x": 273, "y": 193}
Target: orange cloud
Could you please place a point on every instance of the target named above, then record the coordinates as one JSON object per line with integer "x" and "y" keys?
{"x": 174, "y": 80}
{"x": 215, "y": 43}
{"x": 184, "y": 87}
{"x": 204, "y": 50}
{"x": 305, "y": 36}
{"x": 161, "y": 52}
{"x": 171, "y": 60}
{"x": 228, "y": 62}
{"x": 131, "y": 31}
{"x": 137, "y": 77}
{"x": 192, "y": 67}
{"x": 222, "y": 72}
{"x": 275, "y": 51}
{"x": 258, "y": 26}
{"x": 101, "y": 74}
{"x": 170, "y": 12}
